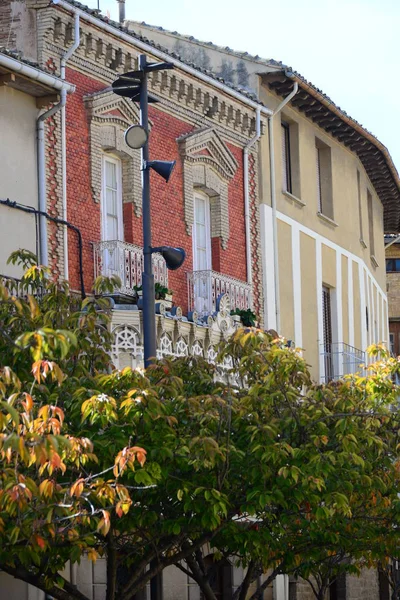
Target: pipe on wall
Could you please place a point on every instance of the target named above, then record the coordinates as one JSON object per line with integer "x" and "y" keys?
{"x": 64, "y": 60}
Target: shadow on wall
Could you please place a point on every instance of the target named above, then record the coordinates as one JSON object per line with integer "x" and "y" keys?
{"x": 232, "y": 71}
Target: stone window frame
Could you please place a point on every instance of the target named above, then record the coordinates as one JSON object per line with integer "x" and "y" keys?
{"x": 209, "y": 166}
{"x": 109, "y": 116}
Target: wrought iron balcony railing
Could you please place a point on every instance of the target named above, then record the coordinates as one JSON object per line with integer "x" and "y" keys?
{"x": 126, "y": 261}
{"x": 340, "y": 359}
{"x": 20, "y": 288}
{"x": 204, "y": 288}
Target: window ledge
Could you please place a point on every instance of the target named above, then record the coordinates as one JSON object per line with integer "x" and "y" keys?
{"x": 374, "y": 261}
{"x": 363, "y": 244}
{"x": 327, "y": 219}
{"x": 293, "y": 198}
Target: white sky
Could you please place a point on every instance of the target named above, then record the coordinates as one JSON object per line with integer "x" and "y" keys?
{"x": 350, "y": 49}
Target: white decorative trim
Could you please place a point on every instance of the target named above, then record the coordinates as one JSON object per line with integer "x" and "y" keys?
{"x": 207, "y": 165}
{"x": 363, "y": 303}
{"x": 296, "y": 272}
{"x": 318, "y": 266}
{"x": 339, "y": 297}
{"x": 330, "y": 244}
{"x": 350, "y": 293}
{"x": 109, "y": 116}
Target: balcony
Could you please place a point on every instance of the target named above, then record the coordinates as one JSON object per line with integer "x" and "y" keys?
{"x": 339, "y": 359}
{"x": 19, "y": 288}
{"x": 204, "y": 288}
{"x": 126, "y": 261}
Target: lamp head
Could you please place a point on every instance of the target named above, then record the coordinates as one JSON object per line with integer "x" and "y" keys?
{"x": 162, "y": 167}
{"x": 173, "y": 257}
{"x": 136, "y": 136}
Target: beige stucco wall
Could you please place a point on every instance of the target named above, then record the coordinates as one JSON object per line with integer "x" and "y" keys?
{"x": 346, "y": 230}
{"x": 18, "y": 179}
{"x": 333, "y": 252}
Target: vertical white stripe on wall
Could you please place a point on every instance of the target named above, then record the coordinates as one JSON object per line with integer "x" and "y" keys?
{"x": 373, "y": 331}
{"x": 339, "y": 297}
{"x": 318, "y": 262}
{"x": 350, "y": 300}
{"x": 267, "y": 253}
{"x": 370, "y": 322}
{"x": 379, "y": 314}
{"x": 364, "y": 340}
{"x": 296, "y": 270}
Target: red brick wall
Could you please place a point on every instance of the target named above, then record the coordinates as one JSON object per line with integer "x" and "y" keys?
{"x": 82, "y": 211}
{"x": 167, "y": 205}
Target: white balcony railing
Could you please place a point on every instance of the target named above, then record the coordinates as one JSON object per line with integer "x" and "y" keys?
{"x": 204, "y": 288}
{"x": 126, "y": 261}
{"x": 340, "y": 359}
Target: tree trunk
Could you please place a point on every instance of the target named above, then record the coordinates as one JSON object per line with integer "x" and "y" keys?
{"x": 111, "y": 567}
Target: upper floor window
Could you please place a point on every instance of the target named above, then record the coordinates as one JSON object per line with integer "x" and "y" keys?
{"x": 286, "y": 164}
{"x": 324, "y": 179}
{"x": 371, "y": 224}
{"x": 201, "y": 233}
{"x": 360, "y": 216}
{"x": 392, "y": 265}
{"x": 111, "y": 205}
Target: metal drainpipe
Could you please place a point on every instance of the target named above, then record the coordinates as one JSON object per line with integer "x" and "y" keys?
{"x": 44, "y": 256}
{"x": 246, "y": 194}
{"x": 64, "y": 60}
{"x": 273, "y": 201}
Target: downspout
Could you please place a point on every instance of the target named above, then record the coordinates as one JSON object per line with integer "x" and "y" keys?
{"x": 273, "y": 200}
{"x": 246, "y": 194}
{"x": 44, "y": 254}
{"x": 64, "y": 60}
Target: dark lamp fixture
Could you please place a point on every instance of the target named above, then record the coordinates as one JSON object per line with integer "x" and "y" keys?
{"x": 162, "y": 167}
{"x": 136, "y": 136}
{"x": 173, "y": 257}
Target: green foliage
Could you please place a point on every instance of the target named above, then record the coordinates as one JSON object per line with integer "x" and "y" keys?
{"x": 152, "y": 466}
{"x": 160, "y": 290}
{"x": 248, "y": 317}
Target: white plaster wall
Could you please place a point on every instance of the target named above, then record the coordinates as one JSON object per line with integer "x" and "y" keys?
{"x": 18, "y": 173}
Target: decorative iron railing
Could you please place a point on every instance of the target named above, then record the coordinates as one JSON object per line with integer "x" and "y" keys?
{"x": 340, "y": 359}
{"x": 20, "y": 288}
{"x": 126, "y": 261}
{"x": 204, "y": 288}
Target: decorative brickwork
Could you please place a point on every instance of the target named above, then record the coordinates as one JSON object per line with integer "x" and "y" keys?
{"x": 207, "y": 165}
{"x": 255, "y": 237}
{"x": 109, "y": 117}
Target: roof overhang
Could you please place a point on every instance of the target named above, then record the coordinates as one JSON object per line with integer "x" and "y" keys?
{"x": 28, "y": 78}
{"x": 372, "y": 153}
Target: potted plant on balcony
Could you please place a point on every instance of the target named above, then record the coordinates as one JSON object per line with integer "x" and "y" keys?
{"x": 161, "y": 292}
{"x": 247, "y": 317}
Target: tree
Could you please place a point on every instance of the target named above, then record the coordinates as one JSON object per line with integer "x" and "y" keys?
{"x": 148, "y": 468}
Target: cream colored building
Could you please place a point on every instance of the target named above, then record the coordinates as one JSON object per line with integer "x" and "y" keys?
{"x": 323, "y": 219}
{"x": 25, "y": 90}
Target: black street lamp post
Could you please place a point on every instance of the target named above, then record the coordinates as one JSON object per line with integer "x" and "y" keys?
{"x": 149, "y": 317}
{"x": 134, "y": 85}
